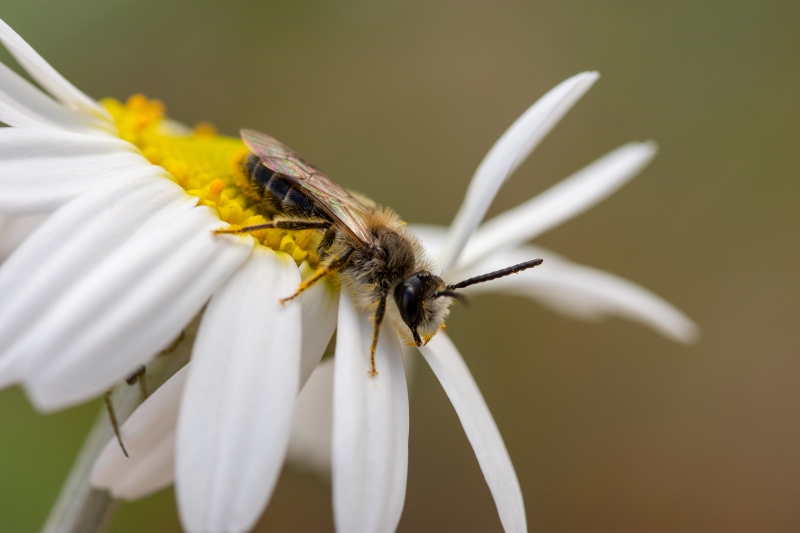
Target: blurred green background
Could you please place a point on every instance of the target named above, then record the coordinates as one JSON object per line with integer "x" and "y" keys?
{"x": 610, "y": 426}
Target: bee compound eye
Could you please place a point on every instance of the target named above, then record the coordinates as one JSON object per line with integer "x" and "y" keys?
{"x": 409, "y": 302}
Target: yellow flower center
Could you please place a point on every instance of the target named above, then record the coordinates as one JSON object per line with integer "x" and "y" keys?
{"x": 206, "y": 165}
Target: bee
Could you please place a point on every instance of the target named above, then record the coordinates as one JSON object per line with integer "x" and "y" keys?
{"x": 379, "y": 262}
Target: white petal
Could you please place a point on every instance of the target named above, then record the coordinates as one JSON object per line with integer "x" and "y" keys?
{"x": 68, "y": 246}
{"x": 507, "y": 154}
{"x": 320, "y": 306}
{"x": 433, "y": 239}
{"x": 574, "y": 290}
{"x": 149, "y": 433}
{"x": 370, "y": 427}
{"x": 12, "y": 115}
{"x": 47, "y": 76}
{"x": 134, "y": 306}
{"x": 481, "y": 430}
{"x": 42, "y": 169}
{"x": 561, "y": 202}
{"x": 24, "y": 106}
{"x": 117, "y": 282}
{"x": 14, "y": 231}
{"x": 583, "y": 292}
{"x": 234, "y": 424}
{"x": 310, "y": 443}
{"x": 149, "y": 438}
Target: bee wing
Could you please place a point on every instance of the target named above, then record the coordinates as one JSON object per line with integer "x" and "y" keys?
{"x": 345, "y": 210}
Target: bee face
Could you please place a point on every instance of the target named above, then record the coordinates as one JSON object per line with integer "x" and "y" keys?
{"x": 420, "y": 306}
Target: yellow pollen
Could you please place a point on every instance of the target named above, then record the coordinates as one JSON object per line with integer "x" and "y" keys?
{"x": 206, "y": 165}
{"x": 205, "y": 129}
{"x": 215, "y": 189}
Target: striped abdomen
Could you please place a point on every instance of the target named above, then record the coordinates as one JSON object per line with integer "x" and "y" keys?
{"x": 276, "y": 194}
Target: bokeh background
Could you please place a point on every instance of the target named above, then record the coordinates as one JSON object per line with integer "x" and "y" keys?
{"x": 610, "y": 426}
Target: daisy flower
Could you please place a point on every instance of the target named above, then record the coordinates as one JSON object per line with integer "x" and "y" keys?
{"x": 127, "y": 258}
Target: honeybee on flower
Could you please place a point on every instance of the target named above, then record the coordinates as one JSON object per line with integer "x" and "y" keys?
{"x": 132, "y": 252}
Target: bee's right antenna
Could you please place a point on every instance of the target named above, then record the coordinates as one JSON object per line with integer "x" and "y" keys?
{"x": 494, "y": 275}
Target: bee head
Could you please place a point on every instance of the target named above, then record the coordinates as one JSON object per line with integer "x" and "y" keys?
{"x": 421, "y": 306}
{"x": 423, "y": 300}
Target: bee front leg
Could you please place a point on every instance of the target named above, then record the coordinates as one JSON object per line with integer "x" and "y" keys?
{"x": 375, "y": 333}
{"x": 334, "y": 265}
{"x": 291, "y": 225}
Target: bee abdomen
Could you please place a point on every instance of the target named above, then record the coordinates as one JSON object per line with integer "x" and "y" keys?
{"x": 280, "y": 195}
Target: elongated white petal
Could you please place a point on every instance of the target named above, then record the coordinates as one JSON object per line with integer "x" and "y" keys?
{"x": 320, "y": 306}
{"x": 432, "y": 236}
{"x": 561, "y": 202}
{"x": 310, "y": 443}
{"x": 136, "y": 303}
{"x": 506, "y": 155}
{"x": 584, "y": 292}
{"x": 149, "y": 434}
{"x": 575, "y": 290}
{"x": 14, "y": 231}
{"x": 125, "y": 279}
{"x": 68, "y": 246}
{"x": 40, "y": 170}
{"x": 481, "y": 430}
{"x": 47, "y": 76}
{"x": 149, "y": 438}
{"x": 370, "y": 427}
{"x": 24, "y": 106}
{"x": 234, "y": 424}
{"x": 11, "y": 115}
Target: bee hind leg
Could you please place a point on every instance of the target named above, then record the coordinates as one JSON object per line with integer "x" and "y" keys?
{"x": 112, "y": 415}
{"x": 334, "y": 265}
{"x": 375, "y": 333}
{"x": 138, "y": 376}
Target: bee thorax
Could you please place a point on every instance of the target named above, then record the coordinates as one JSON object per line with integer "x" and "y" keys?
{"x": 372, "y": 272}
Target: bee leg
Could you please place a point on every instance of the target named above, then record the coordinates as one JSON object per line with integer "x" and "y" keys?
{"x": 375, "y": 332}
{"x": 139, "y": 376}
{"x": 337, "y": 263}
{"x": 328, "y": 238}
{"x": 112, "y": 415}
{"x": 173, "y": 345}
{"x": 293, "y": 225}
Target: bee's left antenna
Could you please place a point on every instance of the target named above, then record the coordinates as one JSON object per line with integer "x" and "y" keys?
{"x": 452, "y": 294}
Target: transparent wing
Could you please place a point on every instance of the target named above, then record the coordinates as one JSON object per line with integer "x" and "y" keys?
{"x": 323, "y": 191}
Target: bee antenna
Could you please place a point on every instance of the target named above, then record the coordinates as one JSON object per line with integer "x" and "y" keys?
{"x": 493, "y": 275}
{"x": 452, "y": 294}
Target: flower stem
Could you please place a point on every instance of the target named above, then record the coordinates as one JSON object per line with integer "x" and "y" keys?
{"x": 80, "y": 508}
